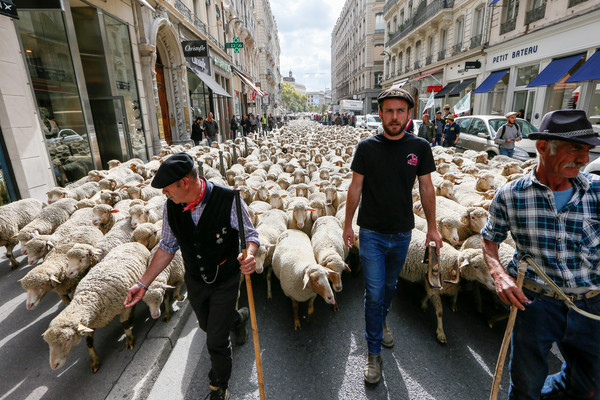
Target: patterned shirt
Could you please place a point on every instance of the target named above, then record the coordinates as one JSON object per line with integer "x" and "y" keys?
{"x": 564, "y": 243}
{"x": 169, "y": 243}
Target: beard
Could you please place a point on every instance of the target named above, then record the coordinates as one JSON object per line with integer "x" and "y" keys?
{"x": 393, "y": 131}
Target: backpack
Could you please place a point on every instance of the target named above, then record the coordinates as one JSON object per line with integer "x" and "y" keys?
{"x": 502, "y": 130}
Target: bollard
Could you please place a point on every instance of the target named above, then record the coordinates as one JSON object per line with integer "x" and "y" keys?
{"x": 221, "y": 162}
{"x": 233, "y": 146}
{"x": 246, "y": 145}
{"x": 200, "y": 170}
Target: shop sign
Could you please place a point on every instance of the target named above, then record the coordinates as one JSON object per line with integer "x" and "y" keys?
{"x": 224, "y": 65}
{"x": 516, "y": 53}
{"x": 8, "y": 8}
{"x": 434, "y": 88}
{"x": 194, "y": 48}
{"x": 236, "y": 45}
{"x": 201, "y": 63}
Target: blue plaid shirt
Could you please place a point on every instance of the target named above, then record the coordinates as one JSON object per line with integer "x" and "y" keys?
{"x": 169, "y": 243}
{"x": 564, "y": 243}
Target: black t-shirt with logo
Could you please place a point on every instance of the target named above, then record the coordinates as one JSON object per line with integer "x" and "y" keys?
{"x": 390, "y": 168}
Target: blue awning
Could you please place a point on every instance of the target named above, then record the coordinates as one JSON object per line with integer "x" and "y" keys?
{"x": 460, "y": 87}
{"x": 490, "y": 81}
{"x": 555, "y": 70}
{"x": 589, "y": 71}
{"x": 446, "y": 89}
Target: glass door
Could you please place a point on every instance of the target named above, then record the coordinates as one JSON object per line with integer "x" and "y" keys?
{"x": 523, "y": 101}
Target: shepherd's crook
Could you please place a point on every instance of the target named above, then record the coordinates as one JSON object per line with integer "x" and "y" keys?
{"x": 261, "y": 385}
{"x": 505, "y": 342}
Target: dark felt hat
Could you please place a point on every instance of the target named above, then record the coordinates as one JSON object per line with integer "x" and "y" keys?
{"x": 396, "y": 93}
{"x": 173, "y": 169}
{"x": 568, "y": 125}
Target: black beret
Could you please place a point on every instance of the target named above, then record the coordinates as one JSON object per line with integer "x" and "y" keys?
{"x": 173, "y": 169}
{"x": 396, "y": 93}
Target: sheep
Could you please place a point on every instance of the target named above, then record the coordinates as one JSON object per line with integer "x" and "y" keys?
{"x": 148, "y": 234}
{"x": 97, "y": 300}
{"x": 300, "y": 276}
{"x": 13, "y": 217}
{"x": 82, "y": 257}
{"x": 473, "y": 219}
{"x": 445, "y": 188}
{"x": 143, "y": 192}
{"x": 329, "y": 249}
{"x": 105, "y": 217}
{"x": 270, "y": 225}
{"x": 84, "y": 191}
{"x": 280, "y": 199}
{"x": 47, "y": 221}
{"x": 121, "y": 233}
{"x": 141, "y": 214}
{"x": 299, "y": 216}
{"x": 415, "y": 271}
{"x": 170, "y": 278}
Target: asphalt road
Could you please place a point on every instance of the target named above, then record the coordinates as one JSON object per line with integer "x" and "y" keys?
{"x": 324, "y": 359}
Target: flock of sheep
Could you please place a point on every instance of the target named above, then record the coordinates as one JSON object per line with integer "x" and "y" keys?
{"x": 95, "y": 237}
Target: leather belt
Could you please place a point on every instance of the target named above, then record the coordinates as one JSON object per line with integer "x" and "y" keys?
{"x": 551, "y": 293}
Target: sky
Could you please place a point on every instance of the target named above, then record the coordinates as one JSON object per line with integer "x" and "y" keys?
{"x": 304, "y": 28}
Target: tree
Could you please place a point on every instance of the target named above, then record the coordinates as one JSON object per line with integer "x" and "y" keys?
{"x": 294, "y": 101}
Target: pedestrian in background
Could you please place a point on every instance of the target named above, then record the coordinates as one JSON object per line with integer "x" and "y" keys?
{"x": 384, "y": 169}
{"x": 233, "y": 125}
{"x": 263, "y": 122}
{"x": 508, "y": 134}
{"x": 552, "y": 215}
{"x": 211, "y": 129}
{"x": 196, "y": 135}
{"x": 252, "y": 123}
{"x": 427, "y": 130}
{"x": 451, "y": 132}
{"x": 212, "y": 263}
{"x": 439, "y": 128}
{"x": 447, "y": 111}
{"x": 245, "y": 123}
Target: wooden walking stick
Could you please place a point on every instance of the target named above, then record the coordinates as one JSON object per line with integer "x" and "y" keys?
{"x": 261, "y": 384}
{"x": 507, "y": 333}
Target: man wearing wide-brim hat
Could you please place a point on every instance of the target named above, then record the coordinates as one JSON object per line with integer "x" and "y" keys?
{"x": 553, "y": 215}
{"x": 200, "y": 219}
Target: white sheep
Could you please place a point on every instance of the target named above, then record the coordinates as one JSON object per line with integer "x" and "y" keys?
{"x": 171, "y": 278}
{"x": 141, "y": 214}
{"x": 97, "y": 300}
{"x": 143, "y": 192}
{"x": 84, "y": 191}
{"x": 120, "y": 233}
{"x": 148, "y": 234}
{"x": 299, "y": 215}
{"x": 13, "y": 217}
{"x": 82, "y": 257}
{"x": 300, "y": 276}
{"x": 270, "y": 225}
{"x": 105, "y": 217}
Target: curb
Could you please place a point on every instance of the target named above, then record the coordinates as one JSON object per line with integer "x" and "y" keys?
{"x": 139, "y": 377}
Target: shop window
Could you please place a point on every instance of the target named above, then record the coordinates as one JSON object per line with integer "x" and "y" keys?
{"x": 48, "y": 58}
{"x": 497, "y": 96}
{"x": 526, "y": 74}
{"x": 594, "y": 108}
{"x": 563, "y": 95}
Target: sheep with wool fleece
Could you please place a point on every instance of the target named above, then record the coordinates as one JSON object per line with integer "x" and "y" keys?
{"x": 159, "y": 291}
{"x": 299, "y": 216}
{"x": 81, "y": 257}
{"x": 280, "y": 199}
{"x": 272, "y": 223}
{"x": 302, "y": 279}
{"x": 148, "y": 234}
{"x": 142, "y": 213}
{"x": 84, "y": 191}
{"x": 97, "y": 300}
{"x": 473, "y": 219}
{"x": 49, "y": 218}
{"x": 328, "y": 245}
{"x": 14, "y": 217}
{"x": 105, "y": 217}
{"x": 143, "y": 192}
{"x": 120, "y": 233}
{"x": 445, "y": 189}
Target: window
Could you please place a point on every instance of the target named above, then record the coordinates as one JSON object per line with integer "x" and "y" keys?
{"x": 563, "y": 95}
{"x": 497, "y": 96}
{"x": 402, "y": 17}
{"x": 460, "y": 27}
{"x": 379, "y": 22}
{"x": 408, "y": 58}
{"x": 395, "y": 23}
{"x": 512, "y": 9}
{"x": 430, "y": 46}
{"x": 400, "y": 62}
{"x": 593, "y": 111}
{"x": 478, "y": 21}
{"x": 443, "y": 43}
{"x": 526, "y": 74}
{"x": 464, "y": 124}
{"x": 418, "y": 54}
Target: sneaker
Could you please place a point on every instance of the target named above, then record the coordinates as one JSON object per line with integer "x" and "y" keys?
{"x": 372, "y": 370}
{"x": 388, "y": 337}
{"x": 240, "y": 332}
{"x": 217, "y": 393}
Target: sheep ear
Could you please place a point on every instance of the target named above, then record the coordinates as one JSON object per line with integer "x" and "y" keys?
{"x": 311, "y": 209}
{"x": 54, "y": 279}
{"x": 97, "y": 252}
{"x": 465, "y": 263}
{"x": 49, "y": 246}
{"x": 114, "y": 211}
{"x": 81, "y": 329}
{"x": 347, "y": 267}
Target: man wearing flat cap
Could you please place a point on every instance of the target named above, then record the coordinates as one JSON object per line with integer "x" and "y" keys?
{"x": 508, "y": 134}
{"x": 384, "y": 170}
{"x": 553, "y": 215}
{"x": 451, "y": 132}
{"x": 200, "y": 219}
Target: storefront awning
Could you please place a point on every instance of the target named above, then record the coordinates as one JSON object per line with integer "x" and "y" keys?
{"x": 400, "y": 83}
{"x": 555, "y": 70}
{"x": 446, "y": 89}
{"x": 427, "y": 74}
{"x": 248, "y": 82}
{"x": 491, "y": 81}
{"x": 460, "y": 87}
{"x": 210, "y": 82}
{"x": 589, "y": 71}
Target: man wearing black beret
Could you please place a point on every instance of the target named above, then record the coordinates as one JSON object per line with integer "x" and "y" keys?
{"x": 200, "y": 218}
{"x": 552, "y": 213}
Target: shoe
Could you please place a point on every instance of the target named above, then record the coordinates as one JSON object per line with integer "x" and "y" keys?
{"x": 372, "y": 370}
{"x": 240, "y": 332}
{"x": 388, "y": 337}
{"x": 217, "y": 393}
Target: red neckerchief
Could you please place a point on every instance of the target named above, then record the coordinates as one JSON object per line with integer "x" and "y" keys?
{"x": 191, "y": 206}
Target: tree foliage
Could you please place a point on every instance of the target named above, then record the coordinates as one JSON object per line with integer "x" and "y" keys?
{"x": 293, "y": 100}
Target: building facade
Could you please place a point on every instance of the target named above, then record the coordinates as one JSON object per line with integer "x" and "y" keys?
{"x": 357, "y": 45}
{"x": 88, "y": 81}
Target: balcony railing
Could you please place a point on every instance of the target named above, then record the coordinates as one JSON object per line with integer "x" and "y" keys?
{"x": 428, "y": 60}
{"x": 407, "y": 69}
{"x": 475, "y": 41}
{"x": 457, "y": 48}
{"x": 573, "y": 3}
{"x": 421, "y": 16}
{"x": 201, "y": 26}
{"x": 508, "y": 26}
{"x": 182, "y": 8}
{"x": 536, "y": 14}
{"x": 388, "y": 5}
{"x": 441, "y": 55}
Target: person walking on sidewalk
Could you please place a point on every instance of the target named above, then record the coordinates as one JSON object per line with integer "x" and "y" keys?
{"x": 197, "y": 131}
{"x": 384, "y": 170}
{"x": 508, "y": 134}
{"x": 234, "y": 126}
{"x": 439, "y": 128}
{"x": 211, "y": 129}
{"x": 427, "y": 130}
{"x": 200, "y": 218}
{"x": 552, "y": 215}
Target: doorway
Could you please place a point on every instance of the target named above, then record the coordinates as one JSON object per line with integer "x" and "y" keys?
{"x": 523, "y": 100}
{"x": 164, "y": 125}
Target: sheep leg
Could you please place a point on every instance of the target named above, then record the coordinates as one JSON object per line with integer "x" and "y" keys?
{"x": 269, "y": 279}
{"x": 336, "y": 306}
{"x": 94, "y": 359}
{"x": 311, "y": 309}
{"x": 126, "y": 319}
{"x": 296, "y": 319}
{"x": 477, "y": 298}
{"x": 453, "y": 304}
{"x": 177, "y": 292}
{"x": 65, "y": 299}
{"x": 167, "y": 302}
{"x": 424, "y": 304}
{"x": 9, "y": 254}
{"x": 437, "y": 305}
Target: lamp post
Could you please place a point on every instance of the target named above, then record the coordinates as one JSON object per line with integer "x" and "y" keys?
{"x": 234, "y": 18}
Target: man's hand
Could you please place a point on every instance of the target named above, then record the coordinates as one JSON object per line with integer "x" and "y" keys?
{"x": 134, "y": 294}
{"x": 434, "y": 236}
{"x": 507, "y": 290}
{"x": 248, "y": 264}
{"x": 348, "y": 235}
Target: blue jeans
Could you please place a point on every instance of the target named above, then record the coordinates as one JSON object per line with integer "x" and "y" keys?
{"x": 507, "y": 152}
{"x": 438, "y": 140}
{"x": 382, "y": 257}
{"x": 543, "y": 322}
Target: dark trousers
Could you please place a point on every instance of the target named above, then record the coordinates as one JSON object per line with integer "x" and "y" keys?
{"x": 214, "y": 306}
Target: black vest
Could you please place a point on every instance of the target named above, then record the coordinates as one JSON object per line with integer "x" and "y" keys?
{"x": 209, "y": 249}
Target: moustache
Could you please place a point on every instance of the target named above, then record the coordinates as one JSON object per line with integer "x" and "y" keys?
{"x": 574, "y": 165}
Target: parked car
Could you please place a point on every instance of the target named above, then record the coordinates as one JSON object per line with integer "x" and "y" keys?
{"x": 360, "y": 121}
{"x": 477, "y": 132}
{"x": 371, "y": 122}
{"x": 66, "y": 136}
